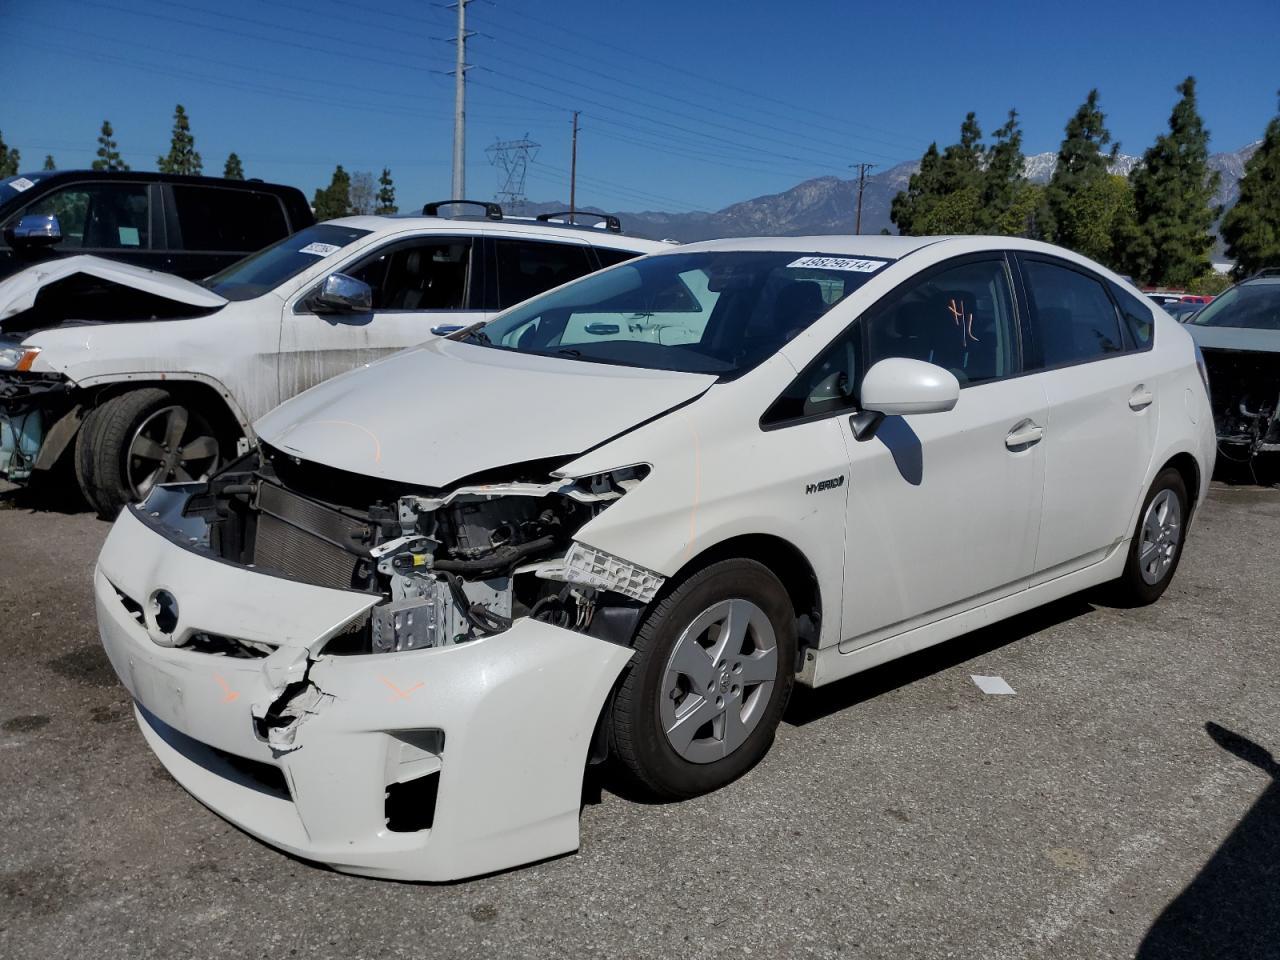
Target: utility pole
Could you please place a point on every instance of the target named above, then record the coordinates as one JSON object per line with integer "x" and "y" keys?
{"x": 573, "y": 171}
{"x": 460, "y": 102}
{"x": 862, "y": 182}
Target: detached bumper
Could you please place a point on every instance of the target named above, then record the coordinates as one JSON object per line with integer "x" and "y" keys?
{"x": 502, "y": 724}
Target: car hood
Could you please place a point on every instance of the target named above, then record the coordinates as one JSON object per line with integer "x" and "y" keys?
{"x": 18, "y": 292}
{"x": 1234, "y": 338}
{"x": 445, "y": 410}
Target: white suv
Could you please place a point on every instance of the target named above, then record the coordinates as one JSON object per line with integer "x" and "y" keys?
{"x": 625, "y": 517}
{"x": 153, "y": 378}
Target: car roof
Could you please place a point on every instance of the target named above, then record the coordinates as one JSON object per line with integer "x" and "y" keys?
{"x": 597, "y": 237}
{"x": 866, "y": 245}
{"x": 152, "y": 176}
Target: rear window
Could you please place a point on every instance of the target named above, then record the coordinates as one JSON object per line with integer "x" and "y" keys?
{"x": 216, "y": 218}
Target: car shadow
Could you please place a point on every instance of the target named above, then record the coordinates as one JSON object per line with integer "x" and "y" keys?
{"x": 809, "y": 704}
{"x": 57, "y": 495}
{"x": 1232, "y": 907}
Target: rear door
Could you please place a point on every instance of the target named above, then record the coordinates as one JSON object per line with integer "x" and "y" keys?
{"x": 212, "y": 227}
{"x": 1102, "y": 412}
{"x": 417, "y": 283}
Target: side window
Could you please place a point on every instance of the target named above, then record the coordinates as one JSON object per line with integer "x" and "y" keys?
{"x": 99, "y": 216}
{"x": 527, "y": 268}
{"x": 960, "y": 318}
{"x": 612, "y": 256}
{"x": 214, "y": 218}
{"x": 1073, "y": 318}
{"x": 428, "y": 274}
{"x": 1137, "y": 317}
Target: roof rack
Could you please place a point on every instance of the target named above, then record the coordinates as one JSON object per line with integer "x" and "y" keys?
{"x": 611, "y": 223}
{"x": 491, "y": 210}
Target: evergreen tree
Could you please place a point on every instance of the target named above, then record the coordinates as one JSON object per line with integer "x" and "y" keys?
{"x": 1008, "y": 201}
{"x": 182, "y": 156}
{"x": 1172, "y": 192}
{"x": 48, "y": 162}
{"x": 334, "y": 200}
{"x": 1252, "y": 227}
{"x": 910, "y": 206}
{"x": 1082, "y": 169}
{"x": 945, "y": 196}
{"x": 108, "y": 155}
{"x": 386, "y": 195}
{"x": 9, "y": 160}
{"x": 233, "y": 169}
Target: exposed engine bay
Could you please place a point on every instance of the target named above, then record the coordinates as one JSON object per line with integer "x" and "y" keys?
{"x": 450, "y": 566}
{"x": 1245, "y": 396}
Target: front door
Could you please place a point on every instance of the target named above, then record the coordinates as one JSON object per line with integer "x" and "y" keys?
{"x": 944, "y": 508}
{"x": 417, "y": 284}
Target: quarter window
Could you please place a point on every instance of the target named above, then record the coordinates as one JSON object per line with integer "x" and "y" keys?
{"x": 1136, "y": 315}
{"x": 612, "y": 256}
{"x": 99, "y": 216}
{"x": 423, "y": 275}
{"x": 1073, "y": 318}
{"x": 527, "y": 268}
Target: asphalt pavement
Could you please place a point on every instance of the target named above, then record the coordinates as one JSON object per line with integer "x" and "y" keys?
{"x": 1124, "y": 801}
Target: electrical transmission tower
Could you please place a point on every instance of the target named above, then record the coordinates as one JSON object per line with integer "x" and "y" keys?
{"x": 512, "y": 158}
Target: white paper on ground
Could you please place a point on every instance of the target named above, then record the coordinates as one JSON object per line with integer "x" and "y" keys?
{"x": 995, "y": 685}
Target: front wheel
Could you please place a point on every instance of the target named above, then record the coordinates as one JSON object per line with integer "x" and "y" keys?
{"x": 714, "y": 668}
{"x": 136, "y": 440}
{"x": 1156, "y": 547}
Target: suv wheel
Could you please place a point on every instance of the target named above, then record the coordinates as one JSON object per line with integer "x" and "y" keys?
{"x": 136, "y": 440}
{"x": 714, "y": 667}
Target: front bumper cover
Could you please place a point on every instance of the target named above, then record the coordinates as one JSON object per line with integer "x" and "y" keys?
{"x": 516, "y": 711}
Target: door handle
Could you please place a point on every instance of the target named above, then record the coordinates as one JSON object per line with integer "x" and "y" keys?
{"x": 1141, "y": 398}
{"x": 1023, "y": 435}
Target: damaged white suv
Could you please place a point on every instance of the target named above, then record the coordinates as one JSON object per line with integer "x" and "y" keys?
{"x": 625, "y": 517}
{"x": 137, "y": 377}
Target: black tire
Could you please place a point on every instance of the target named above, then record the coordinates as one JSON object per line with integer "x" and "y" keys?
{"x": 1132, "y": 588}
{"x": 645, "y": 757}
{"x": 103, "y": 446}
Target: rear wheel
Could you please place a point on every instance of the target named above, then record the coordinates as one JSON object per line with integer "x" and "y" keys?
{"x": 1156, "y": 547}
{"x": 136, "y": 440}
{"x": 714, "y": 668}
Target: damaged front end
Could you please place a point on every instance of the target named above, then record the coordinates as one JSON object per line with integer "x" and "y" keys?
{"x": 448, "y": 566}
{"x": 33, "y": 408}
{"x": 1245, "y": 396}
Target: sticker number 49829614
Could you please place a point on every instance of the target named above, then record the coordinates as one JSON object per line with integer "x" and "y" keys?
{"x": 838, "y": 263}
{"x": 320, "y": 249}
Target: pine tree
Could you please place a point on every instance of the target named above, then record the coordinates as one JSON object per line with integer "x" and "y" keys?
{"x": 1008, "y": 201}
{"x": 334, "y": 200}
{"x": 182, "y": 156}
{"x": 48, "y": 162}
{"x": 1082, "y": 168}
{"x": 909, "y": 206}
{"x": 108, "y": 155}
{"x": 233, "y": 169}
{"x": 945, "y": 195}
{"x": 1172, "y": 193}
{"x": 9, "y": 160}
{"x": 1252, "y": 227}
{"x": 386, "y": 195}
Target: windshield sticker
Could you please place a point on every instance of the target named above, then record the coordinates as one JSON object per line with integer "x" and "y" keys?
{"x": 320, "y": 249}
{"x": 838, "y": 263}
{"x": 22, "y": 183}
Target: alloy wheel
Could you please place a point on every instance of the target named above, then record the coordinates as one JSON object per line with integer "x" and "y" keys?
{"x": 171, "y": 444}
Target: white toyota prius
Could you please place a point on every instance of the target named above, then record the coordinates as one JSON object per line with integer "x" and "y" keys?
{"x": 624, "y": 518}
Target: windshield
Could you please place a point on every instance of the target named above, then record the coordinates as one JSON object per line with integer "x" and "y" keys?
{"x": 1254, "y": 306}
{"x": 13, "y": 187}
{"x": 271, "y": 266}
{"x": 720, "y": 312}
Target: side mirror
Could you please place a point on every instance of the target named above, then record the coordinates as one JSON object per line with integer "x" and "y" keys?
{"x": 34, "y": 232}
{"x": 342, "y": 294}
{"x": 898, "y": 386}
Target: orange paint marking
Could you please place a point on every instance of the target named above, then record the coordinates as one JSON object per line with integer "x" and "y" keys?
{"x": 230, "y": 694}
{"x": 397, "y": 693}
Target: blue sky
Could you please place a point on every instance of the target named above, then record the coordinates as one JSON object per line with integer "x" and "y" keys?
{"x": 685, "y": 105}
